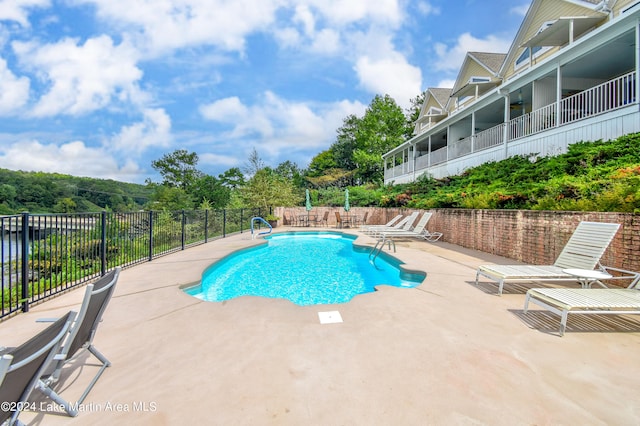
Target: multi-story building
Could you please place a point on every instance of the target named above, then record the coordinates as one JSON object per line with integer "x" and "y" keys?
{"x": 570, "y": 75}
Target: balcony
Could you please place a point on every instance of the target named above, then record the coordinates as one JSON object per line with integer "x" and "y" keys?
{"x": 603, "y": 98}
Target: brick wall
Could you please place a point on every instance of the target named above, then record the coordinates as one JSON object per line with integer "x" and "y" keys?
{"x": 529, "y": 236}
{"x": 535, "y": 236}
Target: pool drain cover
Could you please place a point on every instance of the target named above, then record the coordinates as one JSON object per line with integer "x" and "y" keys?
{"x": 330, "y": 317}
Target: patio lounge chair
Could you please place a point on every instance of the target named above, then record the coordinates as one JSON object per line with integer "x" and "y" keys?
{"x": 21, "y": 367}
{"x": 586, "y": 301}
{"x": 81, "y": 335}
{"x": 405, "y": 224}
{"x": 419, "y": 231}
{"x": 583, "y": 251}
{"x": 364, "y": 228}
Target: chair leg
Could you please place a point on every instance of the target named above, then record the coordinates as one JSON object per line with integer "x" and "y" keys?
{"x": 50, "y": 393}
{"x": 105, "y": 363}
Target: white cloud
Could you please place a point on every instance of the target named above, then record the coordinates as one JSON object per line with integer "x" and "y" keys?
{"x": 446, "y": 83}
{"x": 341, "y": 13}
{"x": 326, "y": 42}
{"x": 14, "y": 91}
{"x": 81, "y": 78}
{"x": 520, "y": 10}
{"x": 219, "y": 160}
{"x": 281, "y": 125}
{"x": 450, "y": 59}
{"x": 16, "y": 10}
{"x": 426, "y": 8}
{"x": 166, "y": 25}
{"x": 73, "y": 158}
{"x": 391, "y": 75}
{"x": 153, "y": 131}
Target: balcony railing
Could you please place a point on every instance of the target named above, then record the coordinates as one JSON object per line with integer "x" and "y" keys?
{"x": 608, "y": 96}
{"x": 460, "y": 148}
{"x": 490, "y": 137}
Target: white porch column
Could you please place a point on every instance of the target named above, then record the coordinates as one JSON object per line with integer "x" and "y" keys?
{"x": 473, "y": 130}
{"x": 558, "y": 95}
{"x": 637, "y": 94}
{"x": 507, "y": 117}
{"x": 413, "y": 162}
{"x": 448, "y": 139}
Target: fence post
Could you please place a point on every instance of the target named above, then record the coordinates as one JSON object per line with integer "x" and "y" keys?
{"x": 182, "y": 241}
{"x": 150, "y": 235}
{"x": 103, "y": 244}
{"x": 206, "y": 226}
{"x": 241, "y": 219}
{"x": 224, "y": 223}
{"x": 25, "y": 262}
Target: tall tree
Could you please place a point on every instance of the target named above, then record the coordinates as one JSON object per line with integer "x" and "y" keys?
{"x": 382, "y": 128}
{"x": 266, "y": 189}
{"x": 254, "y": 163}
{"x": 413, "y": 113}
{"x": 346, "y": 142}
{"x": 232, "y": 178}
{"x": 212, "y": 190}
{"x": 178, "y": 169}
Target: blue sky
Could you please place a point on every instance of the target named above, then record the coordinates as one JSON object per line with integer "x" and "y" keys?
{"x": 101, "y": 88}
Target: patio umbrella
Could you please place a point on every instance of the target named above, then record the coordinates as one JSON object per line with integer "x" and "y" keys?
{"x": 308, "y": 205}
{"x": 347, "y": 207}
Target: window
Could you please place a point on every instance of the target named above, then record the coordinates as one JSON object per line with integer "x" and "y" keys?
{"x": 536, "y": 51}
{"x": 479, "y": 80}
{"x": 434, "y": 111}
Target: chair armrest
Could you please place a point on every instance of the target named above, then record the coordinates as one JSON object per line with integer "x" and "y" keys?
{"x": 47, "y": 319}
{"x": 626, "y": 275}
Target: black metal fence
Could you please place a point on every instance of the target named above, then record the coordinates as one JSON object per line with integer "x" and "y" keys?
{"x": 46, "y": 254}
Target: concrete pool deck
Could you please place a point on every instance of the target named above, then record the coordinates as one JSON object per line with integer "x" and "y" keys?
{"x": 446, "y": 352}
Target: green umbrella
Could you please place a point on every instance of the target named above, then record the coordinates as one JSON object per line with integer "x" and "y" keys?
{"x": 308, "y": 206}
{"x": 347, "y": 207}
{"x": 308, "y": 203}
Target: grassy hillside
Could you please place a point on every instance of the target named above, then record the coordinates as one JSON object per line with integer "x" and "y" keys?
{"x": 591, "y": 176}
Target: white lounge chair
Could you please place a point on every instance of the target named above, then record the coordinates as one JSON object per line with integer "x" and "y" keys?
{"x": 419, "y": 231}
{"x": 583, "y": 251}
{"x": 586, "y": 301}
{"x": 366, "y": 228}
{"x": 404, "y": 224}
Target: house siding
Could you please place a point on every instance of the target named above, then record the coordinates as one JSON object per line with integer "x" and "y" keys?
{"x": 549, "y": 10}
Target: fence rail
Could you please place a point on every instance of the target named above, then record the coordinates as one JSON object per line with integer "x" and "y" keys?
{"x": 46, "y": 254}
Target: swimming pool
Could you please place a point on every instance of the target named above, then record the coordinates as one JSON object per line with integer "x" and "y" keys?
{"x": 307, "y": 268}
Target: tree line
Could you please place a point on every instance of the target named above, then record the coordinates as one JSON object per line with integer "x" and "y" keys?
{"x": 353, "y": 159}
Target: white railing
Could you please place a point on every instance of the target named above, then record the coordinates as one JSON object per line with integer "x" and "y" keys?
{"x": 460, "y": 148}
{"x": 534, "y": 122}
{"x": 490, "y": 137}
{"x": 518, "y": 127}
{"x": 422, "y": 162}
{"x": 542, "y": 119}
{"x": 605, "y": 97}
{"x": 439, "y": 156}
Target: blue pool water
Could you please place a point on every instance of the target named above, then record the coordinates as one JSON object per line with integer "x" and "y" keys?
{"x": 305, "y": 268}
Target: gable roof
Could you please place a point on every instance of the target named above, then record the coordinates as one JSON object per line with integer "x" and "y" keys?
{"x": 544, "y": 11}
{"x": 440, "y": 95}
{"x": 491, "y": 61}
{"x": 478, "y": 64}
